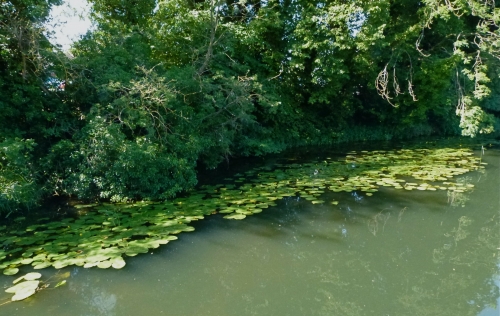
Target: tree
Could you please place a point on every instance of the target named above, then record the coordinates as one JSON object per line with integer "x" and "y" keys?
{"x": 160, "y": 88}
{"x": 29, "y": 111}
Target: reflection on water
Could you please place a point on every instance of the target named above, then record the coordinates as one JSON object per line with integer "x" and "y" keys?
{"x": 98, "y": 299}
{"x": 394, "y": 253}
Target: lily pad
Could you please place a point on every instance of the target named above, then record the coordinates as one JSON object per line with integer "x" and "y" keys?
{"x": 317, "y": 201}
{"x": 60, "y": 283}
{"x": 104, "y": 264}
{"x": 19, "y": 296}
{"x": 118, "y": 263}
{"x": 23, "y": 290}
{"x": 41, "y": 265}
{"x": 10, "y": 271}
{"x": 235, "y": 216}
{"x": 28, "y": 277}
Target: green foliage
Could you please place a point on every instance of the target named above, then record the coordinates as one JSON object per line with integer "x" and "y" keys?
{"x": 34, "y": 112}
{"x": 112, "y": 166}
{"x": 160, "y": 88}
{"x": 108, "y": 231}
{"x": 125, "y": 11}
{"x": 475, "y": 121}
{"x": 18, "y": 185}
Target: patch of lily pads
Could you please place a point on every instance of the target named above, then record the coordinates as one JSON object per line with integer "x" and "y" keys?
{"x": 104, "y": 235}
{"x": 29, "y": 284}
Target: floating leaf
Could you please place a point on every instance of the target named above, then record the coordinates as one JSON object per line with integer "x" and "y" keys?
{"x": 10, "y": 271}
{"x": 61, "y": 263}
{"x": 104, "y": 264}
{"x": 235, "y": 216}
{"x": 41, "y": 265}
{"x": 28, "y": 277}
{"x": 19, "y": 296}
{"x": 27, "y": 261}
{"x": 60, "y": 283}
{"x": 23, "y": 286}
{"x": 118, "y": 263}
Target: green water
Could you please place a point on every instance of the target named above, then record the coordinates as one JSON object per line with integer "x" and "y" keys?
{"x": 394, "y": 253}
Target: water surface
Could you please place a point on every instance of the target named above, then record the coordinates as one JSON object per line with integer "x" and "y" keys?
{"x": 394, "y": 253}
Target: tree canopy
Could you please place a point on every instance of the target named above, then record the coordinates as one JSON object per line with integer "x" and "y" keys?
{"x": 160, "y": 88}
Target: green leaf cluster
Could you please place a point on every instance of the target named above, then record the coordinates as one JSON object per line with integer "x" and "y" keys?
{"x": 158, "y": 89}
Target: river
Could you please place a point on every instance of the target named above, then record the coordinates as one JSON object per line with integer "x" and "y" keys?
{"x": 397, "y": 252}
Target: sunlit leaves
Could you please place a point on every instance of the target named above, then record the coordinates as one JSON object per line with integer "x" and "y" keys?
{"x": 106, "y": 234}
{"x": 10, "y": 271}
{"x": 28, "y": 284}
{"x": 23, "y": 290}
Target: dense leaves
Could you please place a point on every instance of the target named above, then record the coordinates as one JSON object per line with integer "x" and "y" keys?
{"x": 104, "y": 232}
{"x": 159, "y": 88}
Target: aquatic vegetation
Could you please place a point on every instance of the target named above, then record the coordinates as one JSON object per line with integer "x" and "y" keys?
{"x": 28, "y": 284}
{"x": 23, "y": 290}
{"x": 104, "y": 234}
